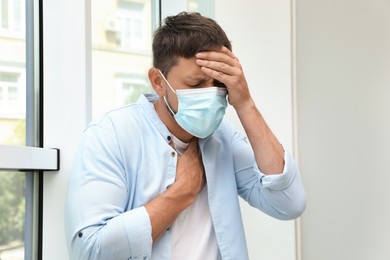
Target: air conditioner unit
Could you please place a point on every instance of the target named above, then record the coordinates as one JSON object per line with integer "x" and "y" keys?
{"x": 114, "y": 24}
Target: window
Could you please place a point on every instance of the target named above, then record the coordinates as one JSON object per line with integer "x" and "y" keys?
{"x": 121, "y": 51}
{"x": 126, "y": 25}
{"x": 193, "y": 5}
{"x": 12, "y": 18}
{"x": 12, "y": 126}
{"x": 133, "y": 20}
{"x": 19, "y": 119}
{"x": 130, "y": 88}
{"x": 12, "y": 95}
{"x": 12, "y": 211}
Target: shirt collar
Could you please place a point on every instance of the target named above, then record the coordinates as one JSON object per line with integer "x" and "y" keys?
{"x": 146, "y": 101}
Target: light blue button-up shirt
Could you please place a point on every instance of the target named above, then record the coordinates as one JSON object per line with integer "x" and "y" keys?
{"x": 125, "y": 160}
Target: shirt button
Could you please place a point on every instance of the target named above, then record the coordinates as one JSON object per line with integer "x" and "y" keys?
{"x": 80, "y": 234}
{"x": 173, "y": 154}
{"x": 169, "y": 138}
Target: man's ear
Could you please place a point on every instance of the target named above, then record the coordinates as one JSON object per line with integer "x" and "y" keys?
{"x": 156, "y": 81}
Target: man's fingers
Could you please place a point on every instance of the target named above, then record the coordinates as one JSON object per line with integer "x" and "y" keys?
{"x": 219, "y": 56}
{"x": 217, "y": 66}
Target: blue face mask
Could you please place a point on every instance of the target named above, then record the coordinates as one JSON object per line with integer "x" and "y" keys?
{"x": 201, "y": 110}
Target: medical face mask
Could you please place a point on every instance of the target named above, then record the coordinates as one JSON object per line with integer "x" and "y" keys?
{"x": 201, "y": 110}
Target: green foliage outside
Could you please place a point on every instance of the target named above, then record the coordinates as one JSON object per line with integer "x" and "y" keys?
{"x": 12, "y": 186}
{"x": 12, "y": 196}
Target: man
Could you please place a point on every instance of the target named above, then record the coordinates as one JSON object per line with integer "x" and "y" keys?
{"x": 160, "y": 179}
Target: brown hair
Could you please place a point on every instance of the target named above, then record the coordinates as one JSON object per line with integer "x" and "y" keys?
{"x": 184, "y": 35}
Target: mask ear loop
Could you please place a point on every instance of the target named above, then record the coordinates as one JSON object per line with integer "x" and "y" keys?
{"x": 165, "y": 99}
{"x": 169, "y": 107}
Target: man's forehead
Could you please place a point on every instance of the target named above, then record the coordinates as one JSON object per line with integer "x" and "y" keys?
{"x": 187, "y": 69}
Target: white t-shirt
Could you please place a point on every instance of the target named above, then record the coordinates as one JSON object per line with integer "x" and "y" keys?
{"x": 193, "y": 235}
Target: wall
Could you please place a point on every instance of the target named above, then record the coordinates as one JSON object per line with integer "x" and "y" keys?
{"x": 343, "y": 93}
{"x": 260, "y": 32}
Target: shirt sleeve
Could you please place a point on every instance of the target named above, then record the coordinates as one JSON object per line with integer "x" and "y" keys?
{"x": 281, "y": 196}
{"x": 97, "y": 224}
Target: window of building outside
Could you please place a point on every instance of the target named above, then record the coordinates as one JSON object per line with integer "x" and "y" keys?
{"x": 12, "y": 22}
{"x": 12, "y": 125}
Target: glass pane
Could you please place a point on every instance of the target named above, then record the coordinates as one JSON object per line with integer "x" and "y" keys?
{"x": 4, "y": 13}
{"x": 193, "y": 6}
{"x": 121, "y": 52}
{"x": 12, "y": 126}
{"x": 12, "y": 208}
{"x": 12, "y": 18}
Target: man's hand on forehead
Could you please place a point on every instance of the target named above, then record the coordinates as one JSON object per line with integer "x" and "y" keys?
{"x": 223, "y": 66}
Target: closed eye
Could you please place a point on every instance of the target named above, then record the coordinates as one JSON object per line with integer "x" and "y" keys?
{"x": 198, "y": 85}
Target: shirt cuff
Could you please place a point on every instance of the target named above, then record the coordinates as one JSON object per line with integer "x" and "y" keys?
{"x": 139, "y": 231}
{"x": 283, "y": 180}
